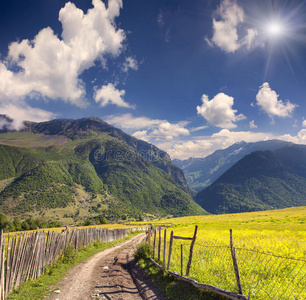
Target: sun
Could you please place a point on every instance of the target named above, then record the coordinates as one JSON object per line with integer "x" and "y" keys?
{"x": 275, "y": 29}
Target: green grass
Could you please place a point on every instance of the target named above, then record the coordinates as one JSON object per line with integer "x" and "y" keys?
{"x": 46, "y": 284}
{"x": 173, "y": 288}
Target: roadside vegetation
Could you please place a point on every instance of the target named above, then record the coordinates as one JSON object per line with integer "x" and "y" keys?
{"x": 168, "y": 285}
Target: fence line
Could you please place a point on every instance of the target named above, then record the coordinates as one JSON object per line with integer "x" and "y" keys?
{"x": 27, "y": 254}
{"x": 260, "y": 275}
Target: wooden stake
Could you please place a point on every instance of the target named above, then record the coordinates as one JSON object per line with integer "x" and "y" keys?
{"x": 159, "y": 241}
{"x": 170, "y": 250}
{"x": 149, "y": 236}
{"x": 2, "y": 244}
{"x": 154, "y": 241}
{"x": 181, "y": 259}
{"x": 165, "y": 244}
{"x": 235, "y": 263}
{"x": 8, "y": 266}
{"x": 191, "y": 250}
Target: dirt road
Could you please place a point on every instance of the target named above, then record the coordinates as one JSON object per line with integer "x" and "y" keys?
{"x": 109, "y": 274}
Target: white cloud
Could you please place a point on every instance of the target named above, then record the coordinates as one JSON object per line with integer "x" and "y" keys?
{"x": 252, "y": 124}
{"x": 219, "y": 112}
{"x": 249, "y": 39}
{"x": 130, "y": 63}
{"x": 247, "y": 136}
{"x": 267, "y": 100}
{"x": 300, "y": 138}
{"x": 169, "y": 131}
{"x": 149, "y": 129}
{"x": 142, "y": 135}
{"x": 198, "y": 128}
{"x": 19, "y": 114}
{"x": 108, "y": 94}
{"x": 225, "y": 30}
{"x": 304, "y": 123}
{"x": 50, "y": 67}
{"x": 128, "y": 121}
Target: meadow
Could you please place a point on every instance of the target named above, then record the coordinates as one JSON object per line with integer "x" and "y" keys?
{"x": 270, "y": 248}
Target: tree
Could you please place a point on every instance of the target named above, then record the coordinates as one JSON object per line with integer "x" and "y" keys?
{"x": 103, "y": 220}
{"x": 4, "y": 222}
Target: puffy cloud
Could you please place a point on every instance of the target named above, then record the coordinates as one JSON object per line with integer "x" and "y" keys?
{"x": 49, "y": 66}
{"x": 187, "y": 149}
{"x": 219, "y": 112}
{"x": 19, "y": 114}
{"x": 153, "y": 129}
{"x": 130, "y": 63}
{"x": 225, "y": 30}
{"x": 304, "y": 123}
{"x": 300, "y": 138}
{"x": 267, "y": 100}
{"x": 169, "y": 131}
{"x": 128, "y": 121}
{"x": 142, "y": 135}
{"x": 252, "y": 124}
{"x": 231, "y": 137}
{"x": 108, "y": 94}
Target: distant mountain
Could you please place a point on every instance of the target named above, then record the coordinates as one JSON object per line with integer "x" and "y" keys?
{"x": 74, "y": 169}
{"x": 201, "y": 172}
{"x": 262, "y": 180}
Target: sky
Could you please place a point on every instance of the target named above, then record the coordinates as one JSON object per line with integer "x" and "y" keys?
{"x": 190, "y": 77}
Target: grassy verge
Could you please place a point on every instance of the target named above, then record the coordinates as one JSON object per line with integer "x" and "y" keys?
{"x": 46, "y": 284}
{"x": 170, "y": 286}
{"x": 173, "y": 288}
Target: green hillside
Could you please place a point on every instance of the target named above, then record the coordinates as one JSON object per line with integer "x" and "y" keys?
{"x": 262, "y": 180}
{"x": 72, "y": 170}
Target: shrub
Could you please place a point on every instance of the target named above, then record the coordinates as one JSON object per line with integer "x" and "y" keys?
{"x": 69, "y": 255}
{"x": 143, "y": 251}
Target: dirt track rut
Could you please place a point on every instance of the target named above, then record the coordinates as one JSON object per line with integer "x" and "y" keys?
{"x": 107, "y": 275}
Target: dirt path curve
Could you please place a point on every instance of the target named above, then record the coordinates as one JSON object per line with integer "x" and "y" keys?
{"x": 109, "y": 274}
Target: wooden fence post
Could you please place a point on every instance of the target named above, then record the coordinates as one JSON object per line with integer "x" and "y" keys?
{"x": 154, "y": 241}
{"x": 8, "y": 265}
{"x": 165, "y": 244}
{"x": 191, "y": 250}
{"x": 170, "y": 250}
{"x": 159, "y": 241}
{"x": 2, "y": 244}
{"x": 149, "y": 236}
{"x": 235, "y": 264}
{"x": 181, "y": 259}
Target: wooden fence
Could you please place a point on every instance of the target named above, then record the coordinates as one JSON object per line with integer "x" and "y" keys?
{"x": 24, "y": 256}
{"x": 157, "y": 236}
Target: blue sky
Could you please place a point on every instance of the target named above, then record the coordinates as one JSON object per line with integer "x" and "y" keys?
{"x": 189, "y": 76}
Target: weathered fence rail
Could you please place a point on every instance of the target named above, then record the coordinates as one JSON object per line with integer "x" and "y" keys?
{"x": 24, "y": 256}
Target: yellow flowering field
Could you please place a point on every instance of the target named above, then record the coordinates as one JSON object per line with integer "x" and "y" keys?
{"x": 270, "y": 248}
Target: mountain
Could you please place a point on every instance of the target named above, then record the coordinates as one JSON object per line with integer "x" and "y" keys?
{"x": 71, "y": 170}
{"x": 262, "y": 180}
{"x": 201, "y": 172}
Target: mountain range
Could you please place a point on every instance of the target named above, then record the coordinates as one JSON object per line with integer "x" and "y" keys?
{"x": 261, "y": 180}
{"x": 201, "y": 172}
{"x": 72, "y": 170}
